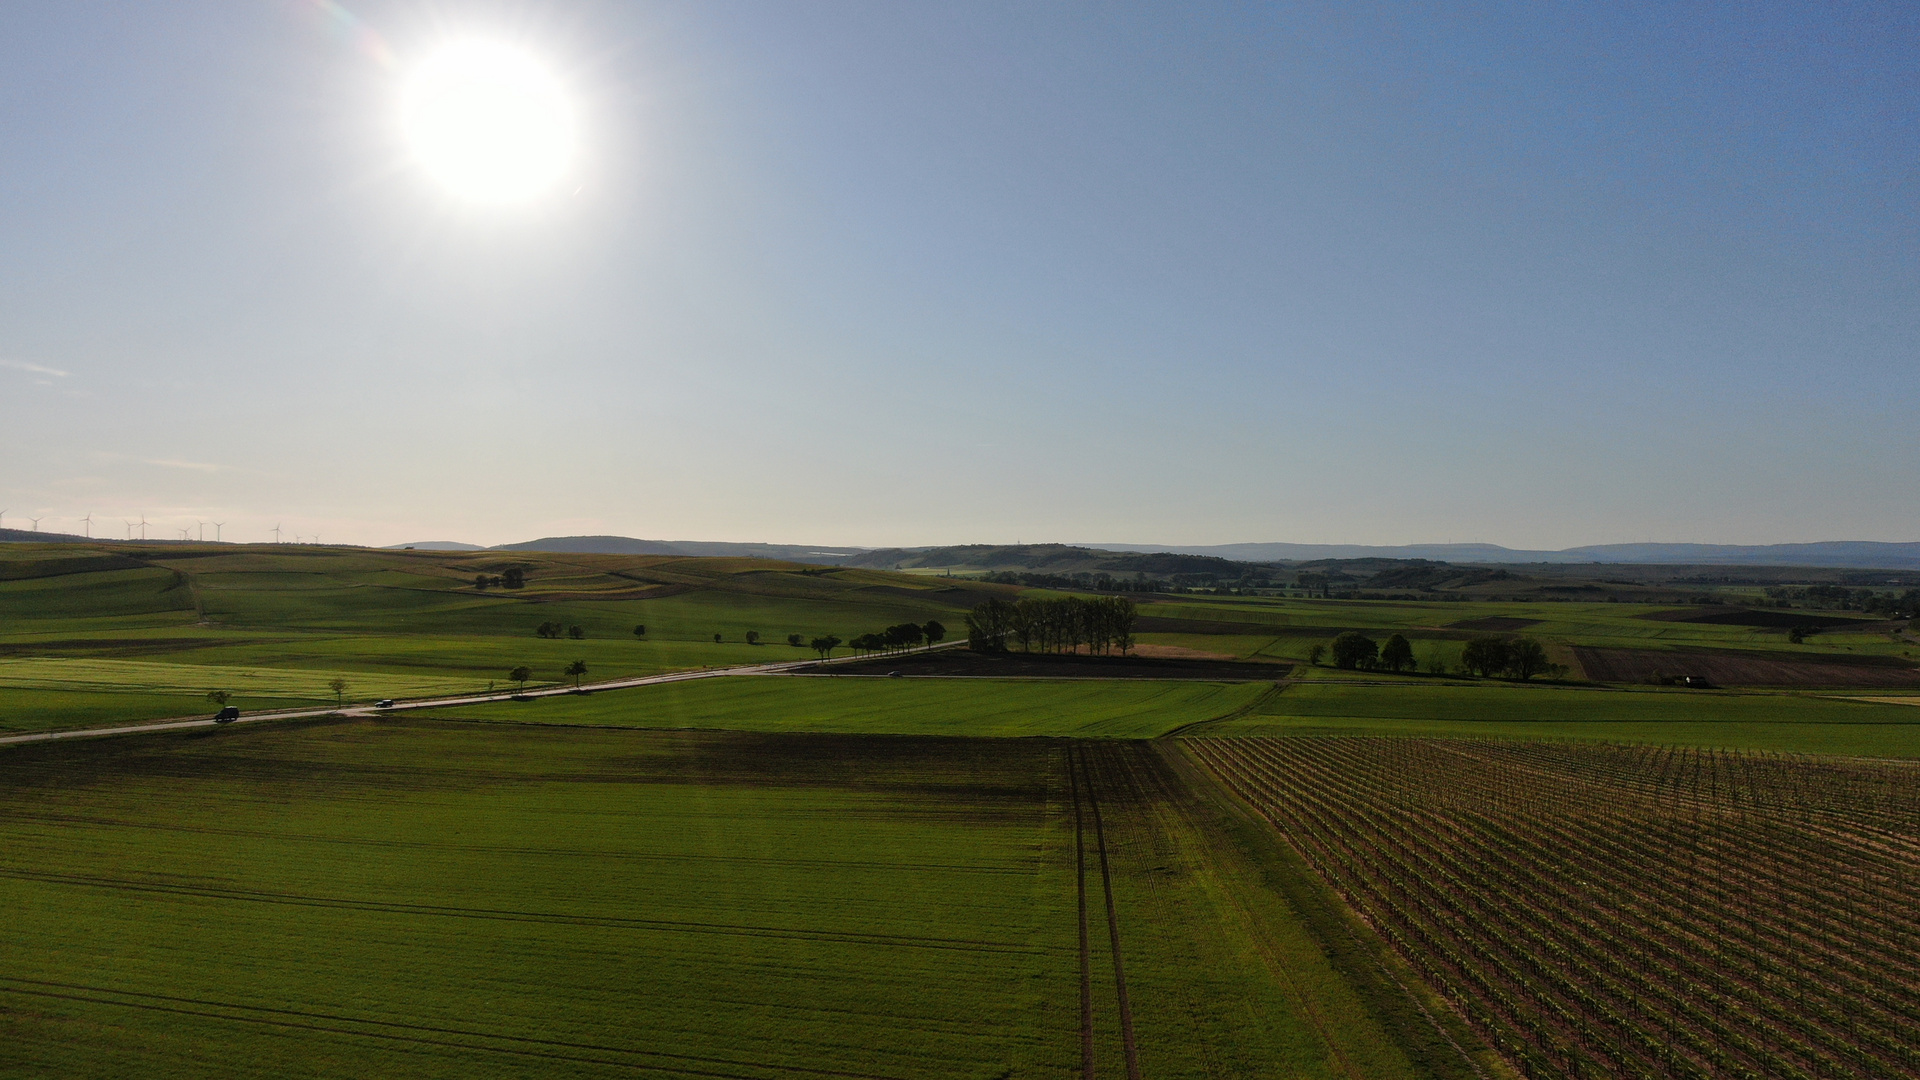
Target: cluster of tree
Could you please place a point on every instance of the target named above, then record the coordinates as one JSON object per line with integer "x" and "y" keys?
{"x": 1515, "y": 657}
{"x": 555, "y": 630}
{"x": 512, "y": 578}
{"x": 1518, "y": 657}
{"x": 1097, "y": 582}
{"x": 1904, "y": 605}
{"x": 1354, "y": 649}
{"x": 825, "y": 645}
{"x": 1102, "y": 624}
{"x": 902, "y": 636}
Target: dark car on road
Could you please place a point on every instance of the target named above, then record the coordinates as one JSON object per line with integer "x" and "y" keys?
{"x": 227, "y": 715}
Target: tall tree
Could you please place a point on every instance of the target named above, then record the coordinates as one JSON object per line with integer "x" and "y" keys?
{"x": 1396, "y": 654}
{"x": 1485, "y": 656}
{"x": 1354, "y": 649}
{"x": 1526, "y": 658}
{"x": 577, "y": 669}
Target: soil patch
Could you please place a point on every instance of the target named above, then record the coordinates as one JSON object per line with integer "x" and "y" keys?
{"x": 1159, "y": 624}
{"x": 1731, "y": 668}
{"x": 1499, "y": 624}
{"x": 1179, "y": 652}
{"x": 1724, "y": 616}
{"x": 966, "y": 663}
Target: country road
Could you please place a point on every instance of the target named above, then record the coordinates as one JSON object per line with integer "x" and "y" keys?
{"x": 468, "y": 699}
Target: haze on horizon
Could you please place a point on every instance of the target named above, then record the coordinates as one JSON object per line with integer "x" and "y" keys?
{"x": 851, "y": 273}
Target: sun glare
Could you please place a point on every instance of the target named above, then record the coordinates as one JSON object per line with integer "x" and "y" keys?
{"x": 488, "y": 122}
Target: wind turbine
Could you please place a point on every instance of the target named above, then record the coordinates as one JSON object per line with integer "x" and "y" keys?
{"x": 185, "y": 534}
{"x": 276, "y": 534}
{"x": 36, "y": 524}
{"x": 203, "y": 532}
{"x": 143, "y": 526}
{"x": 3, "y": 519}
{"x": 129, "y": 528}
{"x": 88, "y": 520}
{"x": 216, "y": 531}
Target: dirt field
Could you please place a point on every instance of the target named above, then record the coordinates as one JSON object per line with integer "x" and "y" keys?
{"x": 1499, "y": 624}
{"x": 1728, "y": 668}
{"x": 1783, "y": 618}
{"x": 962, "y": 662}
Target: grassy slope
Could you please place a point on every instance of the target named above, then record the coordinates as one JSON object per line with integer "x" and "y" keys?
{"x": 1783, "y": 722}
{"x": 1001, "y": 707}
{"x": 1297, "y": 625}
{"x": 411, "y": 898}
{"x": 239, "y": 618}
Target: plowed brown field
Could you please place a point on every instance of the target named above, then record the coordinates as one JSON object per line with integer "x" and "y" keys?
{"x": 1740, "y": 669}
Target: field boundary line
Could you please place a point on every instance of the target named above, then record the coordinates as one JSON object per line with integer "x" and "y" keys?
{"x": 1113, "y": 930}
{"x": 1086, "y": 956}
{"x": 1235, "y": 713}
{"x": 365, "y": 711}
{"x": 1350, "y": 922}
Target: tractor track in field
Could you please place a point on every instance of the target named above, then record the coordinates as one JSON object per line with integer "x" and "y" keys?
{"x": 1086, "y": 953}
{"x": 1077, "y": 784}
{"x": 506, "y": 915}
{"x": 416, "y": 1034}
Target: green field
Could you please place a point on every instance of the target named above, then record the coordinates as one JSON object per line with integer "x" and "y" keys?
{"x": 1799, "y": 723}
{"x": 745, "y": 876}
{"x": 271, "y": 624}
{"x": 359, "y": 898}
{"x": 1116, "y": 708}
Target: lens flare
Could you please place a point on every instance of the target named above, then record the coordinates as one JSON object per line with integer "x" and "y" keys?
{"x": 488, "y": 122}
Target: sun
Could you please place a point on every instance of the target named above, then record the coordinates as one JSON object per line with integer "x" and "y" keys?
{"x": 488, "y": 122}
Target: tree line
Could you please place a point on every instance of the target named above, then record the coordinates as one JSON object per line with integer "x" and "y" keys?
{"x": 900, "y": 636}
{"x": 1061, "y": 624}
{"x": 1486, "y": 656}
{"x": 1082, "y": 579}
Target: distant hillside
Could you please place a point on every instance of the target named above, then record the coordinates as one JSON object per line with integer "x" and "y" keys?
{"x": 28, "y": 536}
{"x": 627, "y": 545}
{"x": 1045, "y": 558}
{"x": 1859, "y": 554}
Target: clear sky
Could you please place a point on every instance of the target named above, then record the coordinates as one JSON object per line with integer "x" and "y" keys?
{"x": 1537, "y": 274}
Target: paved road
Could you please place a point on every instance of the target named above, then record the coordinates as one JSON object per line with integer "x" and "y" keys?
{"x": 437, "y": 703}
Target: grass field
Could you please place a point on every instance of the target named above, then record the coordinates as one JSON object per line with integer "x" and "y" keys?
{"x": 361, "y": 898}
{"x": 271, "y": 622}
{"x": 1784, "y": 722}
{"x": 1115, "y": 708}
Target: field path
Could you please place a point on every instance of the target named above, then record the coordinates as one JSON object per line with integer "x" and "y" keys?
{"x": 442, "y": 702}
{"x": 1086, "y": 951}
{"x": 1113, "y": 932}
{"x": 1085, "y": 800}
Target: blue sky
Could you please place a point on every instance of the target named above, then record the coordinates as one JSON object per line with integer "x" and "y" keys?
{"x": 1533, "y": 274}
